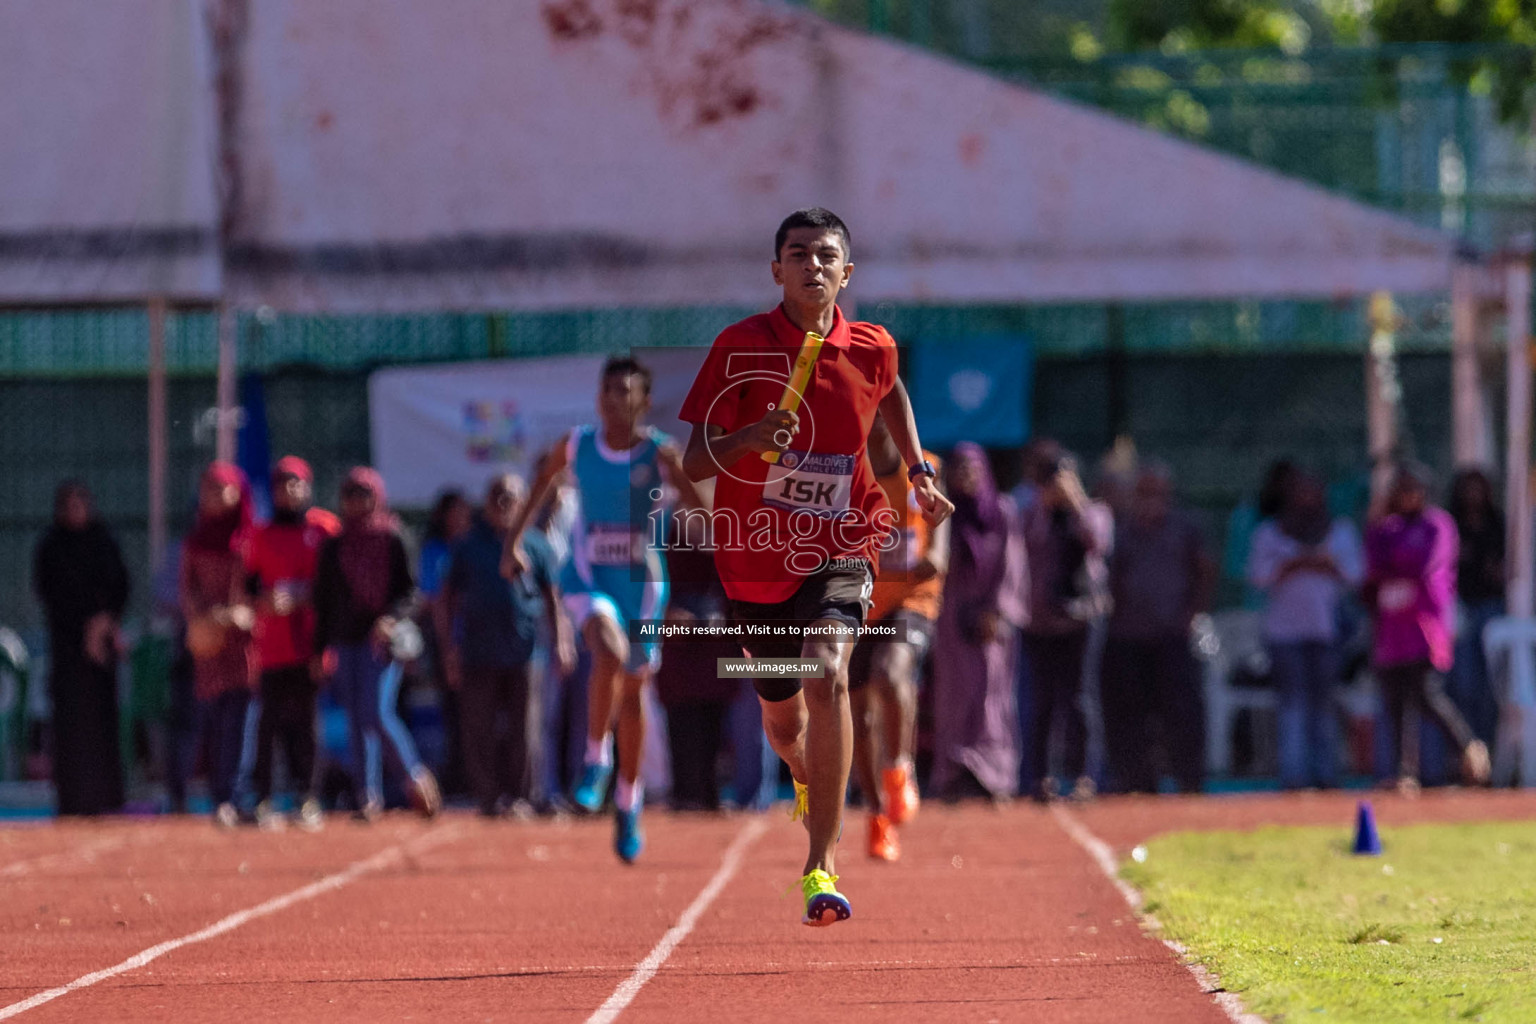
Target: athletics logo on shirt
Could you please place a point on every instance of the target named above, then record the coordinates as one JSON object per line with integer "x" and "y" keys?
{"x": 818, "y": 483}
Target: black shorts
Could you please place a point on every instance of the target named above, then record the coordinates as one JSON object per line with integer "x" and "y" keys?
{"x": 840, "y": 593}
{"x": 913, "y": 629}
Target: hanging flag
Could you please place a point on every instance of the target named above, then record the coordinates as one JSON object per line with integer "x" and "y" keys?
{"x": 253, "y": 447}
{"x": 972, "y": 389}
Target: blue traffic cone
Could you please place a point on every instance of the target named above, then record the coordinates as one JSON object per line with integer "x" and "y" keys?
{"x": 1367, "y": 842}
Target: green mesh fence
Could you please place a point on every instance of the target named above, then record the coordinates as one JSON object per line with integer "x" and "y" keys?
{"x": 115, "y": 342}
{"x": 1396, "y": 126}
{"x": 95, "y": 429}
{"x": 1411, "y": 127}
{"x": 1217, "y": 389}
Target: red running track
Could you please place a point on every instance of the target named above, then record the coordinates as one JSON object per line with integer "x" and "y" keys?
{"x": 992, "y": 915}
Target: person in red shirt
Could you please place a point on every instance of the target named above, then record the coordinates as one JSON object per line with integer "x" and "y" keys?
{"x": 284, "y": 556}
{"x": 797, "y": 539}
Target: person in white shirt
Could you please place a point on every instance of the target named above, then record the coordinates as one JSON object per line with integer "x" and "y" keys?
{"x": 1305, "y": 563}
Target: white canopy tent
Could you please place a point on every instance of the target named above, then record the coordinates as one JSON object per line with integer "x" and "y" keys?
{"x": 107, "y": 154}
{"x": 379, "y": 155}
{"x": 397, "y": 154}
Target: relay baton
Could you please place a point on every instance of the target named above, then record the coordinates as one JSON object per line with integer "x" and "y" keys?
{"x": 810, "y": 348}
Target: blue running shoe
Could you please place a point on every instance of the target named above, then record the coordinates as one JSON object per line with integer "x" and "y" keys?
{"x": 628, "y": 840}
{"x": 593, "y": 787}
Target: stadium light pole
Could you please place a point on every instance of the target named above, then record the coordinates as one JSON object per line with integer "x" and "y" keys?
{"x": 158, "y": 442}
{"x": 228, "y": 414}
{"x": 1471, "y": 439}
{"x": 1517, "y": 497}
{"x": 1383, "y": 395}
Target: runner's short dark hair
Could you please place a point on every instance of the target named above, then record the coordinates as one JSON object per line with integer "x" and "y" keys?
{"x": 627, "y": 366}
{"x": 813, "y": 217}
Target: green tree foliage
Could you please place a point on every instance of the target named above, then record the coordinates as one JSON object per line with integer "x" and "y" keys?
{"x": 1176, "y": 26}
{"x": 1510, "y": 25}
{"x": 1499, "y": 36}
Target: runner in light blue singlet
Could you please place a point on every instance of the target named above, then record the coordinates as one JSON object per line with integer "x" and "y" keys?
{"x": 615, "y": 577}
{"x": 615, "y": 568}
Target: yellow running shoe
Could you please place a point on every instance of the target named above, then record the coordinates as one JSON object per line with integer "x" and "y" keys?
{"x": 824, "y": 905}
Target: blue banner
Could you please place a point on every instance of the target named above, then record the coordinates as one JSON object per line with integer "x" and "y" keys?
{"x": 252, "y": 446}
{"x": 973, "y": 388}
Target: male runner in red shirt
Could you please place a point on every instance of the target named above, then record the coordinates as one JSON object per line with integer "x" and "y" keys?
{"x": 797, "y": 541}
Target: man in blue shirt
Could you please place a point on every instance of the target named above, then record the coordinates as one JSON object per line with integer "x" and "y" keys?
{"x": 496, "y": 628}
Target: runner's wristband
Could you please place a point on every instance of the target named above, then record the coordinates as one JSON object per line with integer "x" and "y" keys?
{"x": 922, "y": 467}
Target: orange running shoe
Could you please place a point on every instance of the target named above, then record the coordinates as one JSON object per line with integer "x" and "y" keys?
{"x": 901, "y": 797}
{"x": 882, "y": 839}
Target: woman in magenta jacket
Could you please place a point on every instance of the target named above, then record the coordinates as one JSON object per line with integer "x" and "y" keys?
{"x": 1410, "y": 586}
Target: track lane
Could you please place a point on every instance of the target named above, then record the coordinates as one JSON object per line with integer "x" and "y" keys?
{"x": 527, "y": 922}
{"x": 169, "y": 878}
{"x": 991, "y": 915}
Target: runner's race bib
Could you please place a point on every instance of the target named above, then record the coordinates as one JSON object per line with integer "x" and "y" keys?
{"x": 818, "y": 483}
{"x": 613, "y": 544}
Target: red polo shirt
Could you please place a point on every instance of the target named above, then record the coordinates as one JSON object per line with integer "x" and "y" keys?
{"x": 822, "y": 500}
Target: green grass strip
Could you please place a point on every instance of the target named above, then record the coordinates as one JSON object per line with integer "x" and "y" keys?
{"x": 1442, "y": 927}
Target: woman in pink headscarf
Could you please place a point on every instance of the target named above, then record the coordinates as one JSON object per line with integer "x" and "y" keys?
{"x": 219, "y": 619}
{"x": 363, "y": 593}
{"x": 1410, "y": 586}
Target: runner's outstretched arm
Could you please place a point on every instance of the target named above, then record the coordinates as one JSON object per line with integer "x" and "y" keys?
{"x": 564, "y": 651}
{"x": 896, "y": 409}
{"x": 677, "y": 477}
{"x": 512, "y": 560}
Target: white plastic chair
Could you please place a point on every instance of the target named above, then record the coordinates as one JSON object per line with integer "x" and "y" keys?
{"x": 1510, "y": 644}
{"x": 13, "y": 669}
{"x": 1235, "y": 637}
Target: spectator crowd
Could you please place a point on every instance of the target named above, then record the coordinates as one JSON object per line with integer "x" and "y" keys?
{"x": 1053, "y": 636}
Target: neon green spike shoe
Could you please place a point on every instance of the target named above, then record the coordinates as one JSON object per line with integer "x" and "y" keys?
{"x": 824, "y": 905}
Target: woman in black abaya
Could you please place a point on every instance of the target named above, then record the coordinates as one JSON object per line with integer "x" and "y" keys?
{"x": 79, "y": 577}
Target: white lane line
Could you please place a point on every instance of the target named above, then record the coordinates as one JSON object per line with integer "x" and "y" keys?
{"x": 86, "y": 852}
{"x": 646, "y": 969}
{"x": 330, "y": 883}
{"x": 1097, "y": 849}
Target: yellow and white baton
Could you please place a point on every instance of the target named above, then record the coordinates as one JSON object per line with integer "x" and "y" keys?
{"x": 810, "y": 348}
